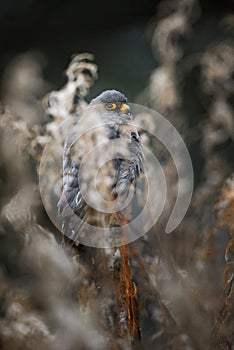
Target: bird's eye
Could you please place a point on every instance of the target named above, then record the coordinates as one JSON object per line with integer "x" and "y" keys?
{"x": 111, "y": 106}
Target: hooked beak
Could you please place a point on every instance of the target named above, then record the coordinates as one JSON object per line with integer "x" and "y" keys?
{"x": 124, "y": 108}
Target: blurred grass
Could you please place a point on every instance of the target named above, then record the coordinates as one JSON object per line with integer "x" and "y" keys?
{"x": 185, "y": 285}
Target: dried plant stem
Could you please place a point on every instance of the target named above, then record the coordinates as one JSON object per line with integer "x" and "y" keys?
{"x": 223, "y": 335}
{"x": 127, "y": 296}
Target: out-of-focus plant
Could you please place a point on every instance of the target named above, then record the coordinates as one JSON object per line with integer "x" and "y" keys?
{"x": 188, "y": 269}
{"x": 60, "y": 299}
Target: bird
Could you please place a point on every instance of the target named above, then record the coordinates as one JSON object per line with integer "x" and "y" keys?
{"x": 107, "y": 121}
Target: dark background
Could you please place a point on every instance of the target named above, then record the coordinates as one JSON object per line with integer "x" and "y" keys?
{"x": 117, "y": 33}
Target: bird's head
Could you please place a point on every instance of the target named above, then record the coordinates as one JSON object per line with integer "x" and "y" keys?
{"x": 113, "y": 102}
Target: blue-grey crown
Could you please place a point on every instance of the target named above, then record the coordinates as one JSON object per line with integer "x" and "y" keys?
{"x": 110, "y": 96}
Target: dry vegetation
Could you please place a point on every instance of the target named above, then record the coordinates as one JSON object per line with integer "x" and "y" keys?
{"x": 162, "y": 291}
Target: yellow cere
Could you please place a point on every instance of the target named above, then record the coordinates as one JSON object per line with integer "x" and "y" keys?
{"x": 125, "y": 109}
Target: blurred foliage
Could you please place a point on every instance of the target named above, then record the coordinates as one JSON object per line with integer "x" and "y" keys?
{"x": 56, "y": 299}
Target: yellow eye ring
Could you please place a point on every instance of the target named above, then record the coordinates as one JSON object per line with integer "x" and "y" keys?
{"x": 111, "y": 106}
